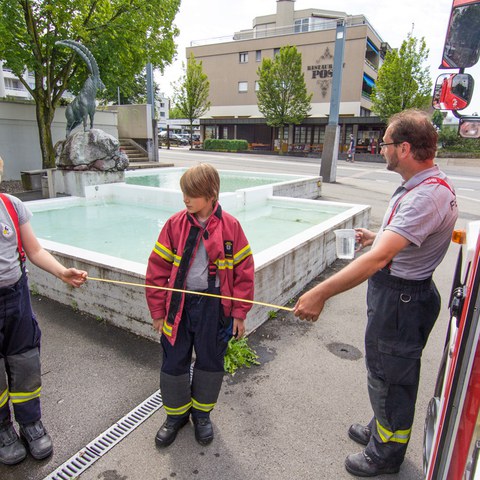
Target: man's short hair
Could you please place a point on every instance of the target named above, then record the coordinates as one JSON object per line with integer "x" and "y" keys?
{"x": 201, "y": 181}
{"x": 415, "y": 127}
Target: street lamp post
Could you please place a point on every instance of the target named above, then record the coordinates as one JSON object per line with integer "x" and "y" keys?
{"x": 152, "y": 143}
{"x": 328, "y": 167}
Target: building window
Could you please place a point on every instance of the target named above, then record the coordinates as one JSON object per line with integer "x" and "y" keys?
{"x": 209, "y": 132}
{"x": 301, "y": 25}
{"x": 258, "y": 56}
{"x": 301, "y": 135}
{"x": 162, "y": 114}
{"x": 13, "y": 84}
{"x": 282, "y": 133}
{"x": 275, "y": 51}
{"x": 372, "y": 55}
{"x": 318, "y": 135}
{"x": 243, "y": 57}
{"x": 257, "y": 85}
{"x": 242, "y": 87}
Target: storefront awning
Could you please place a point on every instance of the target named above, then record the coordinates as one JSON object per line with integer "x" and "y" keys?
{"x": 372, "y": 46}
{"x": 368, "y": 80}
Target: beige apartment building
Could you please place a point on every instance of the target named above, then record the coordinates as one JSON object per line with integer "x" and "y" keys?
{"x": 231, "y": 65}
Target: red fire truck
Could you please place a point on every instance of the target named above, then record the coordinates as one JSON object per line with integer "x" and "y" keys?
{"x": 452, "y": 426}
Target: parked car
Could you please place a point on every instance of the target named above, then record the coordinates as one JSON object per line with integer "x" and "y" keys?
{"x": 185, "y": 136}
{"x": 195, "y": 137}
{"x": 175, "y": 139}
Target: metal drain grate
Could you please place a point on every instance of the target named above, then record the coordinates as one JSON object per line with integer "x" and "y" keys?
{"x": 83, "y": 459}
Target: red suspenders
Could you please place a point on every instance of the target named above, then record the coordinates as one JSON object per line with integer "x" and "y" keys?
{"x": 14, "y": 217}
{"x": 427, "y": 181}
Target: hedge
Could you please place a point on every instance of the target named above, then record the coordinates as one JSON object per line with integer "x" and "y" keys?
{"x": 225, "y": 145}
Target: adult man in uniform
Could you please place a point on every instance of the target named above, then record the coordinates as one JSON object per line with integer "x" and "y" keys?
{"x": 403, "y": 302}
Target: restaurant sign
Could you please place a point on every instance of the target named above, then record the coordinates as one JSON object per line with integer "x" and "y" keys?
{"x": 322, "y": 71}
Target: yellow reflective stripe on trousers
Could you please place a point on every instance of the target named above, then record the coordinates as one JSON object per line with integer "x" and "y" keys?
{"x": 21, "y": 397}
{"x": 204, "y": 407}
{"x": 399, "y": 436}
{"x": 167, "y": 329}
{"x": 179, "y": 410}
{"x": 4, "y": 398}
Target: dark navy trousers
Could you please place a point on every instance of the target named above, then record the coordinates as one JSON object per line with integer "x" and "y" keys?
{"x": 401, "y": 315}
{"x": 20, "y": 370}
{"x": 204, "y": 330}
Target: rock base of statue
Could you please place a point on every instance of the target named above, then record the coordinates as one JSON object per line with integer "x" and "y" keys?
{"x": 86, "y": 159}
{"x": 93, "y": 150}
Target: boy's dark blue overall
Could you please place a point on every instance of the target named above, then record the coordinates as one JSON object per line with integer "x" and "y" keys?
{"x": 19, "y": 355}
{"x": 204, "y": 328}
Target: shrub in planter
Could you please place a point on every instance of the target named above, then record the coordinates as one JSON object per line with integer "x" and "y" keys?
{"x": 225, "y": 145}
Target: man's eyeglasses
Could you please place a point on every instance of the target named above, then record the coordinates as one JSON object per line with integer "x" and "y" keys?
{"x": 383, "y": 144}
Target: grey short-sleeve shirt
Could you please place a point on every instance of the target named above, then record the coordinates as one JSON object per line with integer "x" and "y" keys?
{"x": 10, "y": 271}
{"x": 425, "y": 215}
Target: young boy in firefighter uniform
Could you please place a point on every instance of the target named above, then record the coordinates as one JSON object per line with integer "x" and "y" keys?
{"x": 20, "y": 370}
{"x": 202, "y": 249}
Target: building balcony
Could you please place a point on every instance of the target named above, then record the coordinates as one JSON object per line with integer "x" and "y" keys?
{"x": 257, "y": 33}
{"x": 17, "y": 92}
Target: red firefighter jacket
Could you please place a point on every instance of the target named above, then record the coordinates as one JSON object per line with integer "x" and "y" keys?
{"x": 168, "y": 265}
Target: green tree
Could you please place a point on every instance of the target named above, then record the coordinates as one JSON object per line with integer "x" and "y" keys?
{"x": 191, "y": 93}
{"x": 175, "y": 113}
{"x": 437, "y": 118}
{"x": 134, "y": 95}
{"x": 282, "y": 94}
{"x": 121, "y": 34}
{"x": 403, "y": 81}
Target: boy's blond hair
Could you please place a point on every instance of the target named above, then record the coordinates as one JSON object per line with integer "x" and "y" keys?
{"x": 201, "y": 181}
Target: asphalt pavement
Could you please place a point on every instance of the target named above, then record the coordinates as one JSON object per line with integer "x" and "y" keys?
{"x": 284, "y": 419}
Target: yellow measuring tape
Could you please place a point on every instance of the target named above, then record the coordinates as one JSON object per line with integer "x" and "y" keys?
{"x": 205, "y": 294}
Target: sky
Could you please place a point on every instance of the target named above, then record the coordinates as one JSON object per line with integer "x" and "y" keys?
{"x": 393, "y": 20}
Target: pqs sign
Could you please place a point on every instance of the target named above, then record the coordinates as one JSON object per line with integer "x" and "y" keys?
{"x": 321, "y": 71}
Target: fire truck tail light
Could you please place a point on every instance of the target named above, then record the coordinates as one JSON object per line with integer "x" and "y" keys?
{"x": 459, "y": 236}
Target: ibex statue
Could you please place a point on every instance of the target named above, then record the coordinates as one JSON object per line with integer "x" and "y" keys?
{"x": 83, "y": 105}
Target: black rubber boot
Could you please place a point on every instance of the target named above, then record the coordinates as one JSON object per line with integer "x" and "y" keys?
{"x": 360, "y": 433}
{"x": 361, "y": 465}
{"x": 12, "y": 450}
{"x": 203, "y": 430}
{"x": 38, "y": 440}
{"x": 168, "y": 431}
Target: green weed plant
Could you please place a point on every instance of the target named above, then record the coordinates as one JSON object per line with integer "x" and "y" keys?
{"x": 239, "y": 354}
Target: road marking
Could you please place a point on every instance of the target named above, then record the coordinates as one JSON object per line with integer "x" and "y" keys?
{"x": 470, "y": 199}
{"x": 467, "y": 179}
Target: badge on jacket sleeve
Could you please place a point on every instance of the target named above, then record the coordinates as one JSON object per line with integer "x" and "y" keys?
{"x": 228, "y": 248}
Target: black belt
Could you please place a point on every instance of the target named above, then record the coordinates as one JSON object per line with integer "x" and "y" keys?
{"x": 387, "y": 278}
